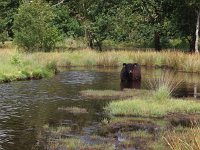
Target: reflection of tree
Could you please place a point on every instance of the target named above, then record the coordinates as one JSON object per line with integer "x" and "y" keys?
{"x": 131, "y": 84}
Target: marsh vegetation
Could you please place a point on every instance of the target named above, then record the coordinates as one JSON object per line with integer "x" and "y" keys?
{"x": 142, "y": 119}
{"x": 19, "y": 66}
{"x": 39, "y": 38}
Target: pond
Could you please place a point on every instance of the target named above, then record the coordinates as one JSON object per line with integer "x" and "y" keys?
{"x": 26, "y": 106}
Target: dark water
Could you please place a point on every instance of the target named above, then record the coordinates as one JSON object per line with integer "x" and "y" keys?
{"x": 26, "y": 106}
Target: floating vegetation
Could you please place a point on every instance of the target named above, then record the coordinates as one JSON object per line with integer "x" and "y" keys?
{"x": 112, "y": 94}
{"x": 73, "y": 110}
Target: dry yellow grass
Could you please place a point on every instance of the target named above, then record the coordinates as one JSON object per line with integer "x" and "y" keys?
{"x": 186, "y": 139}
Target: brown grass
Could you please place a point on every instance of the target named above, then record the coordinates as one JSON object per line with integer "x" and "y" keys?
{"x": 186, "y": 139}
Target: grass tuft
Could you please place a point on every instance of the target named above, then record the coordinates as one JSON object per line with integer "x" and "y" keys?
{"x": 152, "y": 108}
{"x": 164, "y": 85}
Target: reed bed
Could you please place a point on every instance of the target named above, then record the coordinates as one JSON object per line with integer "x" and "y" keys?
{"x": 185, "y": 139}
{"x": 176, "y": 60}
{"x": 14, "y": 63}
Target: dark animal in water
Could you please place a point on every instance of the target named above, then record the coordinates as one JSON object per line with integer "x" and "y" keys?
{"x": 130, "y": 72}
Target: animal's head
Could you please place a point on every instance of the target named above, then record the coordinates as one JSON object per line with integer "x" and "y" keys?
{"x": 128, "y": 68}
{"x": 132, "y": 71}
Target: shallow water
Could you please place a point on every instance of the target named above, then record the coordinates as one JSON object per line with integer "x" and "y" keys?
{"x": 26, "y": 106}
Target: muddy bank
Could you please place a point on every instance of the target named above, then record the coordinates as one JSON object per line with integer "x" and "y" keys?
{"x": 132, "y": 133}
{"x": 185, "y": 120}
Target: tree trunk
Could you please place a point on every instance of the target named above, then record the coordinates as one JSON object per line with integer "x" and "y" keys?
{"x": 192, "y": 45}
{"x": 99, "y": 45}
{"x": 197, "y": 33}
{"x": 157, "y": 41}
{"x": 88, "y": 39}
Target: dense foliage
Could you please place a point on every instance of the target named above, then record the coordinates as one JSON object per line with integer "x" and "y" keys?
{"x": 152, "y": 23}
{"x": 33, "y": 27}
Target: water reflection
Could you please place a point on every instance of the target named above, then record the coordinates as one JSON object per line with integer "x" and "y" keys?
{"x": 130, "y": 85}
{"x": 26, "y": 106}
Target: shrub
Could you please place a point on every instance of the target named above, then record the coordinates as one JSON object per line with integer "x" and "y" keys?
{"x": 33, "y": 27}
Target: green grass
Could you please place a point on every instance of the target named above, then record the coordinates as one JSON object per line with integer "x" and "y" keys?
{"x": 22, "y": 66}
{"x": 152, "y": 108}
{"x": 112, "y": 94}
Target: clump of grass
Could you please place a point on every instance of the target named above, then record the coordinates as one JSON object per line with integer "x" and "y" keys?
{"x": 164, "y": 86}
{"x": 76, "y": 143}
{"x": 112, "y": 94}
{"x": 163, "y": 93}
{"x": 152, "y": 108}
{"x": 74, "y": 110}
{"x": 66, "y": 143}
{"x": 138, "y": 134}
{"x": 59, "y": 131}
{"x": 186, "y": 139}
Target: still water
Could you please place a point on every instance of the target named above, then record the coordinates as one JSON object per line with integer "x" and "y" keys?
{"x": 26, "y": 106}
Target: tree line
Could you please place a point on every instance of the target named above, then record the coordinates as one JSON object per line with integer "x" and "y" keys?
{"x": 40, "y": 24}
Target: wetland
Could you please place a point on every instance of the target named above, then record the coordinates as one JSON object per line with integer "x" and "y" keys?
{"x": 54, "y": 114}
